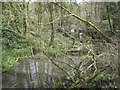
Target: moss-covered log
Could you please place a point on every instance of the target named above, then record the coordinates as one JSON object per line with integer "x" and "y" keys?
{"x": 85, "y": 21}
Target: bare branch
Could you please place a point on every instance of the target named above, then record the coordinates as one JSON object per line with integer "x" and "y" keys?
{"x": 83, "y": 20}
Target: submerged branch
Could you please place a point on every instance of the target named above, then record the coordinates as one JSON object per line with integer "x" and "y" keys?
{"x": 63, "y": 70}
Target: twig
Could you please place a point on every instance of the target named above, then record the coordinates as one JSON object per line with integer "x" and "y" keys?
{"x": 15, "y": 85}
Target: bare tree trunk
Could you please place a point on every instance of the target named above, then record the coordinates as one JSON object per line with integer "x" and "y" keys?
{"x": 39, "y": 16}
{"x": 61, "y": 22}
{"x": 109, "y": 18}
{"x": 114, "y": 24}
{"x": 25, "y": 19}
{"x": 52, "y": 25}
{"x": 119, "y": 14}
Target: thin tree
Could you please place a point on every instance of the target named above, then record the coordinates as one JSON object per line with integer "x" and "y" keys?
{"x": 50, "y": 5}
{"x": 26, "y": 18}
{"x": 108, "y": 16}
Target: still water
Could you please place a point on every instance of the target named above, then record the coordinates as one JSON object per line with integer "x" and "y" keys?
{"x": 34, "y": 73}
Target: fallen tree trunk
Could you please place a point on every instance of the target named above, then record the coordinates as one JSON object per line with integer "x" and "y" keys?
{"x": 83, "y": 20}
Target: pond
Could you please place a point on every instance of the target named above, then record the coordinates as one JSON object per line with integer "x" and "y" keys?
{"x": 36, "y": 73}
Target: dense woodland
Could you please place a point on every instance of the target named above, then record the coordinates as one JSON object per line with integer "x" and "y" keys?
{"x": 41, "y": 31}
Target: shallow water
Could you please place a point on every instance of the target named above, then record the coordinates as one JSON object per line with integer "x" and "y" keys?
{"x": 33, "y": 73}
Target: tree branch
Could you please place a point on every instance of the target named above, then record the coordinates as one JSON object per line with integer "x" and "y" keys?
{"x": 83, "y": 20}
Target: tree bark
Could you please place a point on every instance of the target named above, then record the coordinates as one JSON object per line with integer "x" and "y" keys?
{"x": 109, "y": 18}
{"x": 52, "y": 25}
{"x": 119, "y": 14}
{"x": 25, "y": 19}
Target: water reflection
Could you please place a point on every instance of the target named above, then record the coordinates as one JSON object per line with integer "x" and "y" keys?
{"x": 33, "y": 73}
